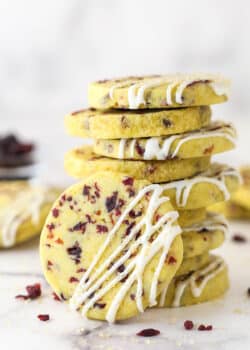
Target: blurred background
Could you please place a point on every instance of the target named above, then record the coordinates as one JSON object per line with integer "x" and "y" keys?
{"x": 50, "y": 50}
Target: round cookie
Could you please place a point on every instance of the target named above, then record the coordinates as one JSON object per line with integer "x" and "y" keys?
{"x": 205, "y": 284}
{"x": 192, "y": 264}
{"x": 115, "y": 124}
{"x": 82, "y": 162}
{"x": 190, "y": 217}
{"x": 23, "y": 210}
{"x": 109, "y": 245}
{"x": 216, "y": 138}
{"x": 204, "y": 236}
{"x": 212, "y": 186}
{"x": 166, "y": 91}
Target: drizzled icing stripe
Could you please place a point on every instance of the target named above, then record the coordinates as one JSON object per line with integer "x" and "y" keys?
{"x": 154, "y": 150}
{"x": 136, "y": 92}
{"x": 27, "y": 204}
{"x": 210, "y": 271}
{"x": 213, "y": 222}
{"x": 93, "y": 278}
{"x": 184, "y": 187}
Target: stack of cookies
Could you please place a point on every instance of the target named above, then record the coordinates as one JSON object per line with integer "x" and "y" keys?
{"x": 135, "y": 230}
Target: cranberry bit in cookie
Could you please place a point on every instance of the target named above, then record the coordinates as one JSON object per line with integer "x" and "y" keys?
{"x": 44, "y": 317}
{"x": 33, "y": 292}
{"x": 188, "y": 325}
{"x": 148, "y": 332}
{"x": 239, "y": 238}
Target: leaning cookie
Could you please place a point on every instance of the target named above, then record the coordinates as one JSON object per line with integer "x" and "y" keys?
{"x": 109, "y": 245}
{"x": 205, "y": 284}
{"x": 82, "y": 162}
{"x": 116, "y": 124}
{"x": 23, "y": 209}
{"x": 166, "y": 91}
{"x": 216, "y": 138}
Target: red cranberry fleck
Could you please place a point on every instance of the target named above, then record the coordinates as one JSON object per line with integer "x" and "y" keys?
{"x": 202, "y": 327}
{"x": 239, "y": 238}
{"x": 69, "y": 199}
{"x": 121, "y": 268}
{"x": 75, "y": 252}
{"x": 140, "y": 150}
{"x": 56, "y": 297}
{"x": 73, "y": 279}
{"x": 149, "y": 332}
{"x": 188, "y": 324}
{"x": 129, "y": 228}
{"x": 100, "y": 305}
{"x": 86, "y": 190}
{"x": 55, "y": 212}
{"x": 33, "y": 292}
{"x": 128, "y": 181}
{"x": 172, "y": 260}
{"x": 110, "y": 202}
{"x": 101, "y": 228}
{"x": 44, "y": 317}
{"x": 51, "y": 226}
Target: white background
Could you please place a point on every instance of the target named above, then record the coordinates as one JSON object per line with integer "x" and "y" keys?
{"x": 50, "y": 50}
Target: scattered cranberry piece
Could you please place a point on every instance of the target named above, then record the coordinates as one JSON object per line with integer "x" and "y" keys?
{"x": 171, "y": 260}
{"x": 33, "y": 292}
{"x": 101, "y": 228}
{"x": 100, "y": 305}
{"x": 44, "y": 317}
{"x": 239, "y": 238}
{"x": 73, "y": 279}
{"x": 188, "y": 324}
{"x": 110, "y": 202}
{"x": 202, "y": 327}
{"x": 149, "y": 332}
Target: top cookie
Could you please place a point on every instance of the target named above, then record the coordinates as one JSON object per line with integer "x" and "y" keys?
{"x": 159, "y": 91}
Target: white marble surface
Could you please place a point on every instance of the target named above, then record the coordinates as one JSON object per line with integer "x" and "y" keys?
{"x": 20, "y": 328}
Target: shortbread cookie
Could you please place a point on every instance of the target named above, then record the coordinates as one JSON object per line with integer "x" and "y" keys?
{"x": 212, "y": 186}
{"x": 109, "y": 245}
{"x": 82, "y": 162}
{"x": 115, "y": 124}
{"x": 193, "y": 264}
{"x": 218, "y": 137}
{"x": 205, "y": 284}
{"x": 190, "y": 217}
{"x": 23, "y": 209}
{"x": 166, "y": 91}
{"x": 204, "y": 236}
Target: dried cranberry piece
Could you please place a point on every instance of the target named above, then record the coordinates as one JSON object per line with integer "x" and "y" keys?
{"x": 121, "y": 268}
{"x": 33, "y": 292}
{"x": 148, "y": 332}
{"x": 129, "y": 228}
{"x": 73, "y": 279}
{"x": 140, "y": 150}
{"x": 100, "y": 305}
{"x": 188, "y": 324}
{"x": 172, "y": 260}
{"x": 167, "y": 123}
{"x": 128, "y": 181}
{"x": 110, "y": 202}
{"x": 239, "y": 238}
{"x": 80, "y": 226}
{"x": 55, "y": 212}
{"x": 75, "y": 252}
{"x": 44, "y": 317}
{"x": 101, "y": 229}
{"x": 86, "y": 190}
{"x": 202, "y": 327}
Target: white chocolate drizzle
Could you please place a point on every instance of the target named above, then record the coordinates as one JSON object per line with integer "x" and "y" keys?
{"x": 153, "y": 149}
{"x": 136, "y": 91}
{"x": 92, "y": 281}
{"x": 212, "y": 222}
{"x": 215, "y": 175}
{"x": 26, "y": 204}
{"x": 206, "y": 274}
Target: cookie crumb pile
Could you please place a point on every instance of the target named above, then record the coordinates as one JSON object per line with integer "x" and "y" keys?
{"x": 135, "y": 232}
